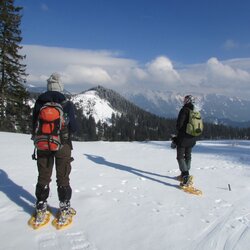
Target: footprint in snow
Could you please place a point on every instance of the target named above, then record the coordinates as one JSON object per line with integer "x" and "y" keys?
{"x": 135, "y": 204}
{"x": 156, "y": 210}
{"x": 157, "y": 203}
{"x": 205, "y": 221}
{"x": 141, "y": 179}
{"x": 222, "y": 203}
{"x": 180, "y": 214}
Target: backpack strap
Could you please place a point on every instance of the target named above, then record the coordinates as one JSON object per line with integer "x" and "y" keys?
{"x": 34, "y": 156}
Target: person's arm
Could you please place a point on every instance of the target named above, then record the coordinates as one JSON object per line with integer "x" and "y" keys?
{"x": 35, "y": 116}
{"x": 180, "y": 120}
{"x": 72, "y": 119}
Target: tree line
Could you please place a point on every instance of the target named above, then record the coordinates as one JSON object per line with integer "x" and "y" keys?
{"x": 143, "y": 128}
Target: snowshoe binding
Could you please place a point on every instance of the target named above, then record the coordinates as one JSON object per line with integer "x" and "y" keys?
{"x": 186, "y": 184}
{"x": 41, "y": 216}
{"x": 64, "y": 216}
{"x": 186, "y": 180}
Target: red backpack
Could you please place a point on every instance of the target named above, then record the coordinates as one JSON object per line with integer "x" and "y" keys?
{"x": 49, "y": 125}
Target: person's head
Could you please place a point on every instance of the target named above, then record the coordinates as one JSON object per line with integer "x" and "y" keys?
{"x": 188, "y": 99}
{"x": 54, "y": 83}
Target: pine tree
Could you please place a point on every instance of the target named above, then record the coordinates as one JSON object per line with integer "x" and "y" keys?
{"x": 14, "y": 111}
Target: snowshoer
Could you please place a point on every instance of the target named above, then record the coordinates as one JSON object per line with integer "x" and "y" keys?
{"x": 184, "y": 141}
{"x": 61, "y": 156}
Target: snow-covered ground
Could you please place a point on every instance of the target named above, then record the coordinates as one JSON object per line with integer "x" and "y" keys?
{"x": 127, "y": 198}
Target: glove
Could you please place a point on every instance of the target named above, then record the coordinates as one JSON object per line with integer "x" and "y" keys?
{"x": 174, "y": 142}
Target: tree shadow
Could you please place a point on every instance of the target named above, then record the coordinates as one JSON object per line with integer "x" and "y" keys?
{"x": 16, "y": 193}
{"x": 141, "y": 173}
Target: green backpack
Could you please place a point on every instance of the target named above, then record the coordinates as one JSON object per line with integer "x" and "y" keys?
{"x": 195, "y": 123}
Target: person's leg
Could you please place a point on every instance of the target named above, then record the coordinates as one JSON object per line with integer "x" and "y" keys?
{"x": 181, "y": 160}
{"x": 63, "y": 169}
{"x": 188, "y": 153}
{"x": 45, "y": 161}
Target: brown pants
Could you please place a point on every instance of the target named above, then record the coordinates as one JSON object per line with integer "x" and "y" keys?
{"x": 45, "y": 163}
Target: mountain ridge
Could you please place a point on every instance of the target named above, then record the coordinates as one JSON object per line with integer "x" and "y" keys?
{"x": 216, "y": 109}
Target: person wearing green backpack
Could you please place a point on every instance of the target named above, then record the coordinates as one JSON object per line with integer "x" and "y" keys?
{"x": 189, "y": 125}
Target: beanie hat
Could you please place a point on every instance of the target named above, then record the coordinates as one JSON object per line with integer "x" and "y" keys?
{"x": 54, "y": 83}
{"x": 188, "y": 99}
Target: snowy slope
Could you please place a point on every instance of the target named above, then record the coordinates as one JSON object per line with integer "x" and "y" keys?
{"x": 92, "y": 104}
{"x": 127, "y": 197}
{"x": 215, "y": 108}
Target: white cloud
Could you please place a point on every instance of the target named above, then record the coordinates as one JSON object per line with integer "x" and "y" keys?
{"x": 81, "y": 69}
{"x": 230, "y": 77}
{"x": 218, "y": 71}
{"x": 81, "y": 74}
{"x": 161, "y": 69}
{"x": 76, "y": 66}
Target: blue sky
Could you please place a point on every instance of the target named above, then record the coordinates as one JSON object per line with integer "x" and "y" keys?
{"x": 168, "y": 40}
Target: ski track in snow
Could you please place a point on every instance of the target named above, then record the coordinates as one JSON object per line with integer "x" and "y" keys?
{"x": 225, "y": 232}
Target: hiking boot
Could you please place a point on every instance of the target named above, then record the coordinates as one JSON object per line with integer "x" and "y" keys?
{"x": 65, "y": 214}
{"x": 41, "y": 206}
{"x": 187, "y": 181}
{"x": 64, "y": 205}
{"x": 41, "y": 209}
{"x": 179, "y": 178}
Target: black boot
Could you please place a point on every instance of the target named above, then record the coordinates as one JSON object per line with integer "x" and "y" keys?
{"x": 41, "y": 206}
{"x": 64, "y": 205}
{"x": 41, "y": 212}
{"x": 187, "y": 181}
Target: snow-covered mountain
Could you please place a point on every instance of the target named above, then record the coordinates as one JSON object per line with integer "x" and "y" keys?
{"x": 93, "y": 105}
{"x": 214, "y": 108}
{"x": 102, "y": 103}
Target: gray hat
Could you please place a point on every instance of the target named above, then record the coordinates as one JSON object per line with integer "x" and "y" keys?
{"x": 54, "y": 83}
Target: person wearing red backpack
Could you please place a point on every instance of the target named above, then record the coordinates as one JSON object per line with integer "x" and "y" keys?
{"x": 61, "y": 155}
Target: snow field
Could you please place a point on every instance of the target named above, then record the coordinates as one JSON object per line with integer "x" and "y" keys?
{"x": 127, "y": 197}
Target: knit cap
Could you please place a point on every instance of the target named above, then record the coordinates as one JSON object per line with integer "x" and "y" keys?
{"x": 54, "y": 83}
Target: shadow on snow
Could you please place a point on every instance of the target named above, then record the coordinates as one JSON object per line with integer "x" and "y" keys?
{"x": 16, "y": 193}
{"x": 141, "y": 173}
